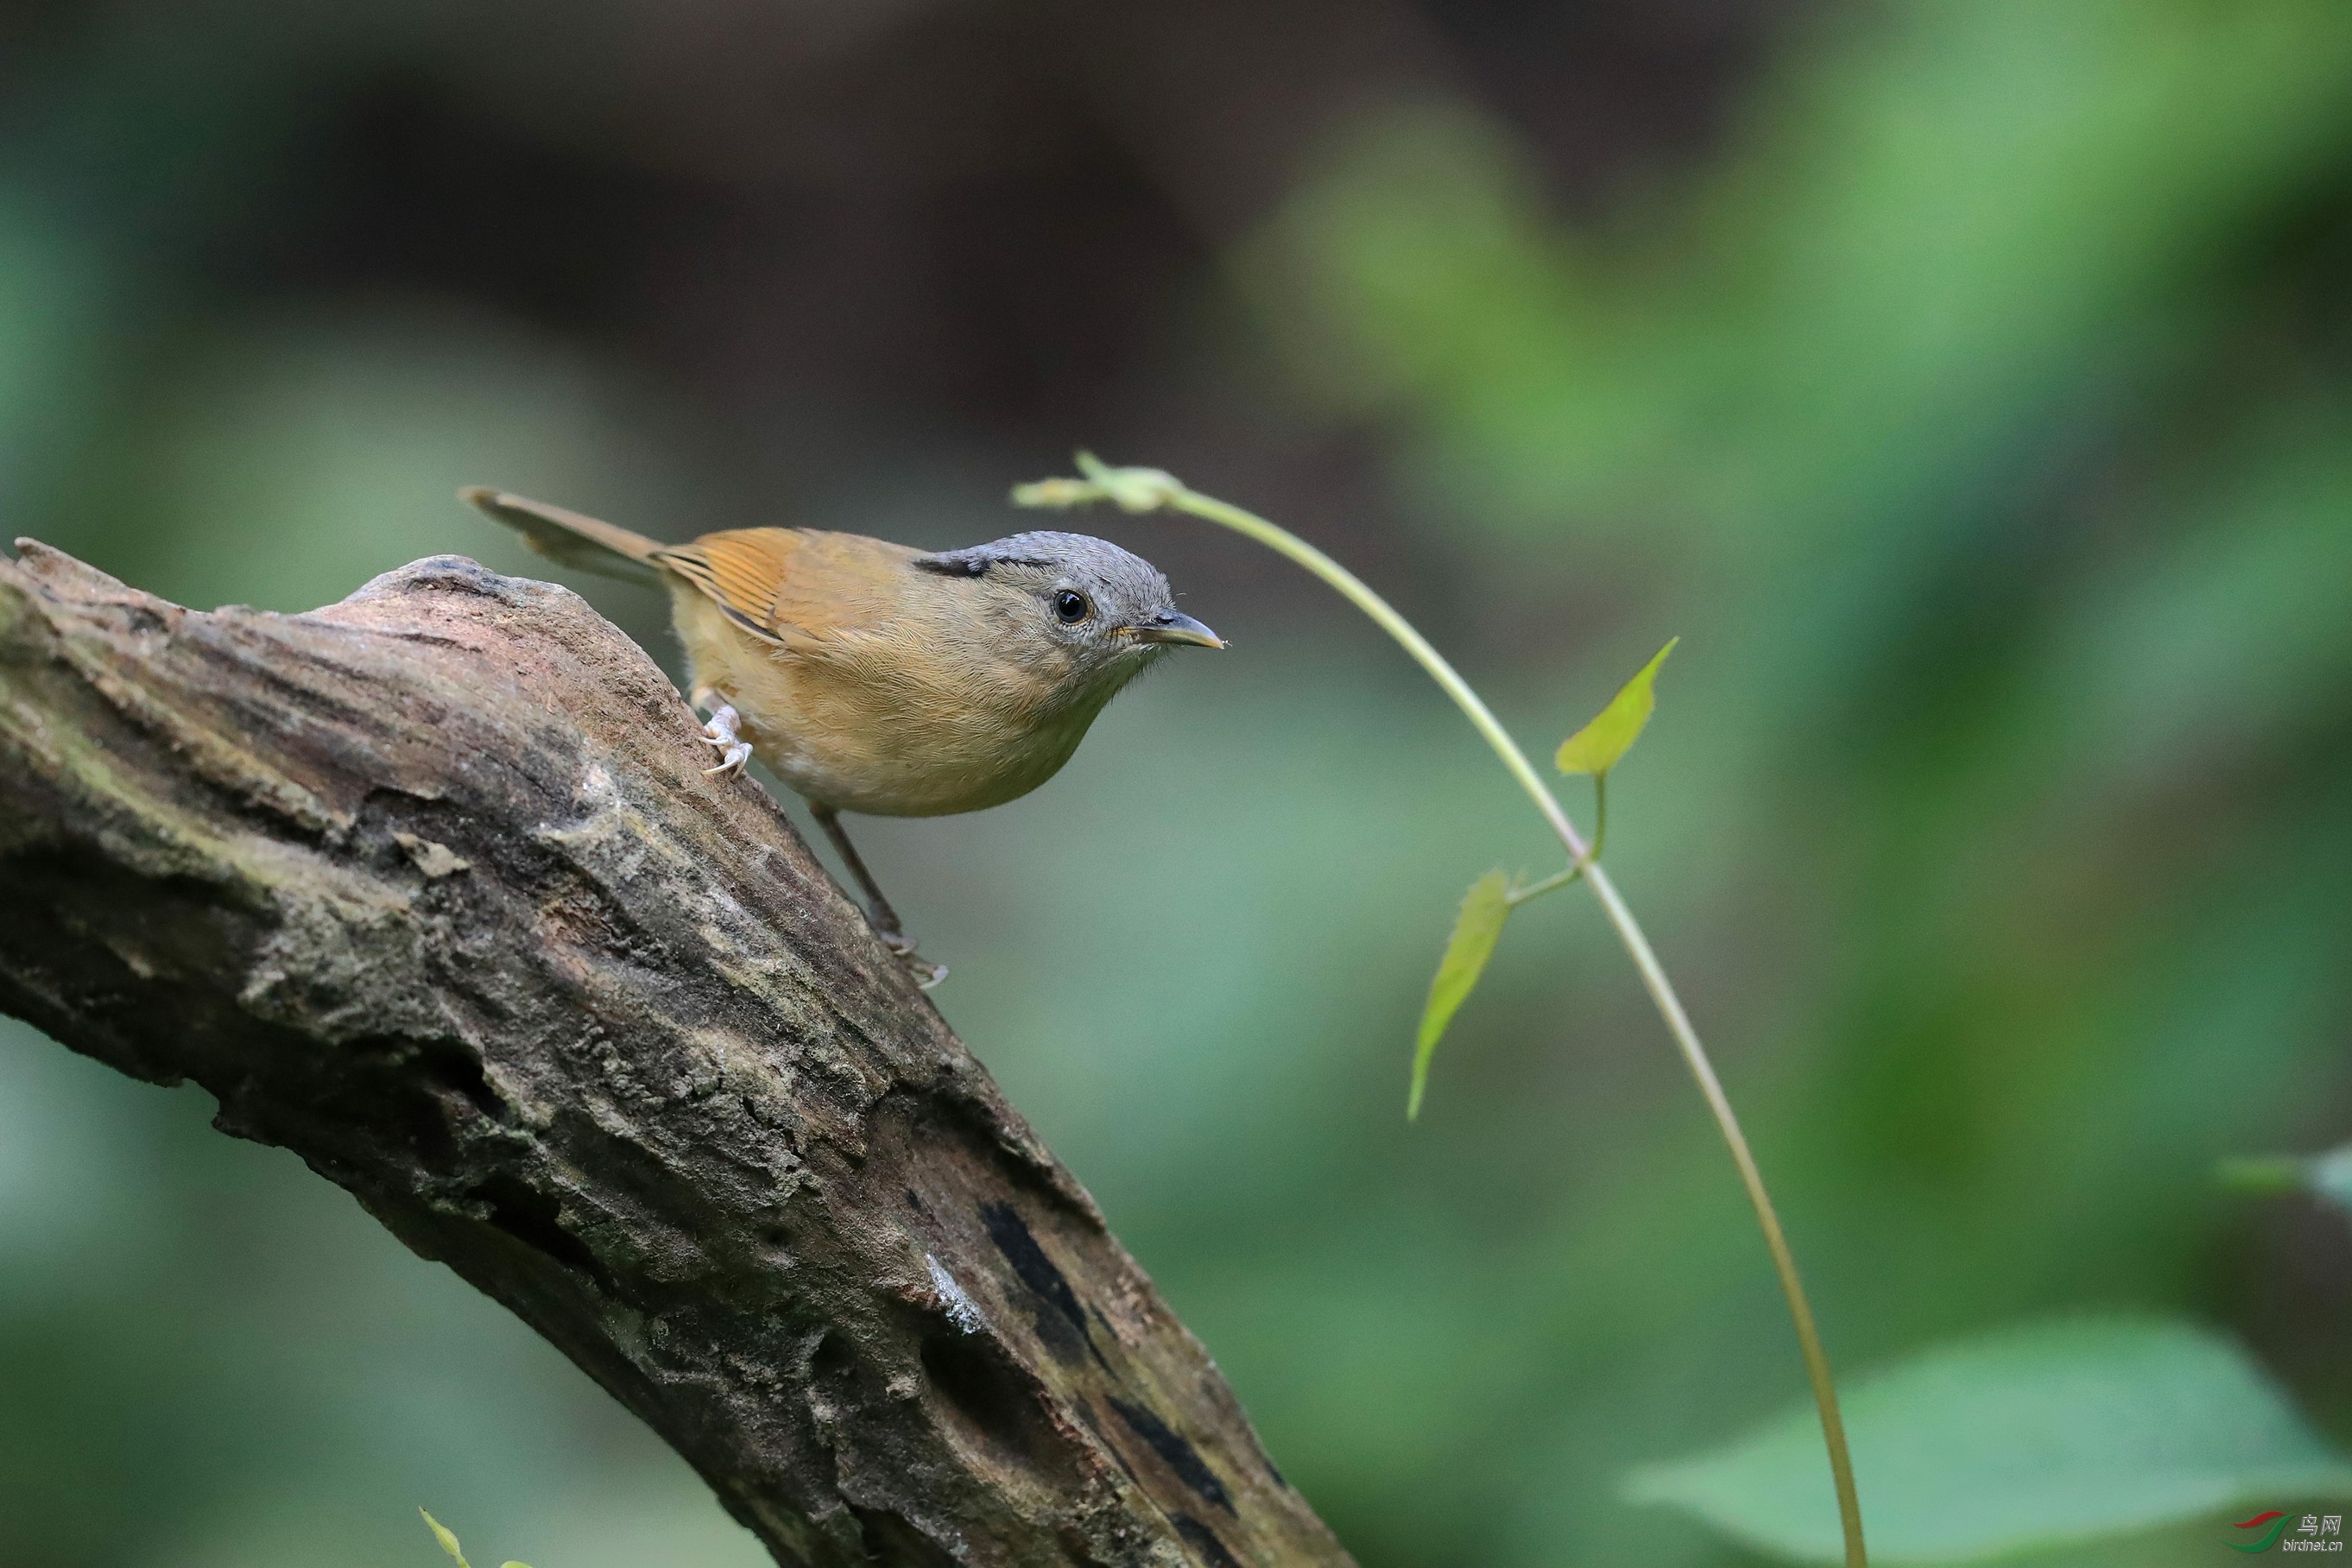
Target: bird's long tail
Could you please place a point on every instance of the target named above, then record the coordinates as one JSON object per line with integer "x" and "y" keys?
{"x": 568, "y": 537}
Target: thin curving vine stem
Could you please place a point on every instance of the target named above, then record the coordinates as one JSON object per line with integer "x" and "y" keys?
{"x": 1150, "y": 490}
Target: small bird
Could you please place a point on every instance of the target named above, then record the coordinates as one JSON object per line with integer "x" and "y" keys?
{"x": 876, "y": 678}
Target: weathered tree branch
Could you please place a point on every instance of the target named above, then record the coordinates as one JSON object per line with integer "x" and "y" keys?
{"x": 429, "y": 888}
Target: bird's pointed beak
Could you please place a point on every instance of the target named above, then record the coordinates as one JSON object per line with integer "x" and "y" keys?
{"x": 1173, "y": 627}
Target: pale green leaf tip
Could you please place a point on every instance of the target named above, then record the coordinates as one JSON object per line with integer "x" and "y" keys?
{"x": 1130, "y": 489}
{"x": 1057, "y": 494}
{"x": 448, "y": 1541}
{"x": 1602, "y": 744}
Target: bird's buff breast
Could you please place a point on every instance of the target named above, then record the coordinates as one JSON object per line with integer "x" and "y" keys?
{"x": 854, "y": 728}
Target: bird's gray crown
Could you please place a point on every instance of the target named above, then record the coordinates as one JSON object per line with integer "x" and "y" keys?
{"x": 1125, "y": 583}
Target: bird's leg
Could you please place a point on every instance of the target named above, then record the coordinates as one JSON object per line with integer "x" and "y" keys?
{"x": 720, "y": 732}
{"x": 883, "y": 919}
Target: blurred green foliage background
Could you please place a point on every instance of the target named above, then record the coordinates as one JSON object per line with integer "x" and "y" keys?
{"x": 1969, "y": 385}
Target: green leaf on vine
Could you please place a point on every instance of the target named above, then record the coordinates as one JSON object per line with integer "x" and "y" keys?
{"x": 1477, "y": 928}
{"x": 1601, "y": 744}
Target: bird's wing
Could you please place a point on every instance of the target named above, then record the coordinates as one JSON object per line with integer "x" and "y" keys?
{"x": 796, "y": 587}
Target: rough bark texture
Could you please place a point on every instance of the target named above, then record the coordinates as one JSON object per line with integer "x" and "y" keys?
{"x": 429, "y": 888}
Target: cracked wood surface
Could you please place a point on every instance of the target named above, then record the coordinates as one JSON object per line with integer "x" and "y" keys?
{"x": 428, "y": 886}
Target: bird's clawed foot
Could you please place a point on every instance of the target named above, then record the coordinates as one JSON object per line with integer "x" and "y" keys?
{"x": 902, "y": 948}
{"x": 720, "y": 732}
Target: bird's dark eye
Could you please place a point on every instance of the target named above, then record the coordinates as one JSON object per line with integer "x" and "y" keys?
{"x": 1070, "y": 607}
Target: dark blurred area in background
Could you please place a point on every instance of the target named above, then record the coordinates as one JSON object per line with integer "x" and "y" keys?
{"x": 1971, "y": 386}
